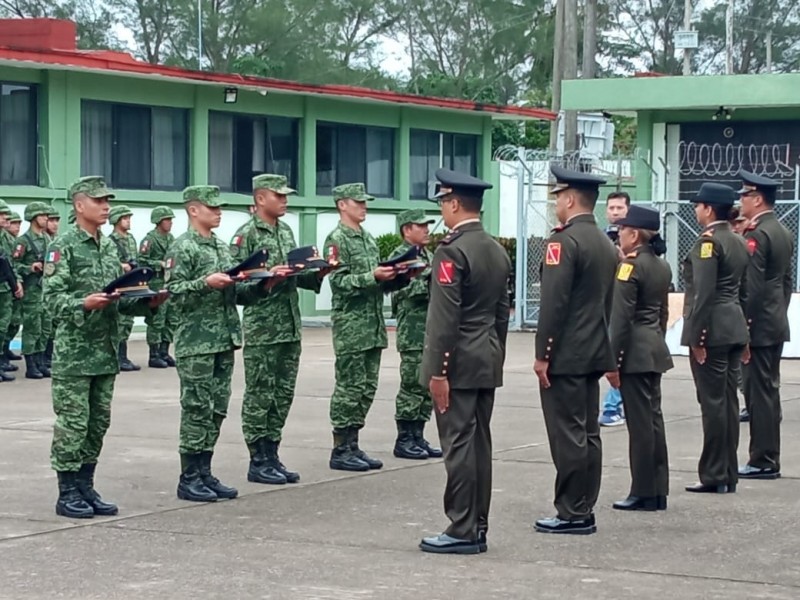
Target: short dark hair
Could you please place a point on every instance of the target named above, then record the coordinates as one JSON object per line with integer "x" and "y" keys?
{"x": 470, "y": 203}
{"x": 768, "y": 195}
{"x": 624, "y": 195}
{"x": 587, "y": 196}
{"x": 721, "y": 211}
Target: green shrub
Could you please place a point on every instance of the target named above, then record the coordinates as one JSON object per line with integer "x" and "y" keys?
{"x": 387, "y": 243}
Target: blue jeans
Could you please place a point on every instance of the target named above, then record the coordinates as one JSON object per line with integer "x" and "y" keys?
{"x": 612, "y": 402}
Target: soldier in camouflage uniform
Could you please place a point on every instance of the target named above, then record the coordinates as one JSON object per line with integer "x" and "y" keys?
{"x": 29, "y": 258}
{"x": 120, "y": 218}
{"x": 359, "y": 331}
{"x": 152, "y": 253}
{"x": 13, "y": 226}
{"x": 80, "y": 262}
{"x": 53, "y": 223}
{"x": 9, "y": 289}
{"x": 272, "y": 331}
{"x": 208, "y": 332}
{"x": 413, "y": 403}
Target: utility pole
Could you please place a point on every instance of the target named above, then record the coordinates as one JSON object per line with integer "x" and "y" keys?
{"x": 199, "y": 36}
{"x": 570, "y": 69}
{"x": 555, "y": 104}
{"x": 687, "y": 26}
{"x": 729, "y": 39}
{"x": 589, "y": 39}
{"x": 769, "y": 51}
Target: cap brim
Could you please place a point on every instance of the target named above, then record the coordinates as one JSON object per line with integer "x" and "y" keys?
{"x": 143, "y": 293}
{"x": 286, "y": 191}
{"x": 559, "y": 187}
{"x": 101, "y": 193}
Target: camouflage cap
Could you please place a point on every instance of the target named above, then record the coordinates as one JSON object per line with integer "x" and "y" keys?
{"x": 14, "y": 217}
{"x": 36, "y": 209}
{"x": 117, "y": 212}
{"x": 53, "y": 214}
{"x": 414, "y": 215}
{"x": 352, "y": 191}
{"x": 93, "y": 186}
{"x": 277, "y": 183}
{"x": 205, "y": 194}
{"x": 159, "y": 213}
{"x": 4, "y": 207}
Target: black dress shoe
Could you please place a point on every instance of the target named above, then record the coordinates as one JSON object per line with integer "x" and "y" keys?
{"x": 482, "y": 545}
{"x": 661, "y": 502}
{"x": 744, "y": 416}
{"x": 445, "y": 544}
{"x": 637, "y": 503}
{"x": 751, "y": 472}
{"x": 700, "y": 488}
{"x": 557, "y": 525}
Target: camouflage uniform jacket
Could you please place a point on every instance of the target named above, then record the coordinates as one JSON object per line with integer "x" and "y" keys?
{"x": 412, "y": 305}
{"x": 153, "y": 251}
{"x": 30, "y": 248}
{"x": 208, "y": 321}
{"x": 7, "y": 245}
{"x": 126, "y": 247}
{"x": 357, "y": 298}
{"x": 77, "y": 265}
{"x": 276, "y": 318}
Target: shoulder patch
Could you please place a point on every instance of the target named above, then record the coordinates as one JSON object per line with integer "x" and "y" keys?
{"x": 446, "y": 273}
{"x": 553, "y": 254}
{"x": 752, "y": 245}
{"x": 237, "y": 240}
{"x": 625, "y": 271}
{"x": 333, "y": 254}
{"x": 706, "y": 250}
{"x": 145, "y": 246}
{"x": 453, "y": 235}
{"x": 53, "y": 256}
{"x": 19, "y": 250}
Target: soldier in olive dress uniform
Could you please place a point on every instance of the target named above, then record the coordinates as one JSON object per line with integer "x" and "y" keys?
{"x": 573, "y": 349}
{"x": 769, "y": 291}
{"x": 638, "y": 327}
{"x": 462, "y": 361}
{"x": 715, "y": 330}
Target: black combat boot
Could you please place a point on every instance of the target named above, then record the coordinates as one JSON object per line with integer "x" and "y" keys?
{"x": 419, "y": 438}
{"x": 70, "y": 503}
{"x": 43, "y": 369}
{"x": 190, "y": 484}
{"x": 124, "y": 362}
{"x": 47, "y": 355}
{"x": 32, "y": 367}
{"x": 274, "y": 460}
{"x": 373, "y": 463}
{"x": 405, "y": 445}
{"x": 5, "y": 375}
{"x": 85, "y": 484}
{"x": 7, "y": 352}
{"x": 342, "y": 457}
{"x": 5, "y": 362}
{"x": 164, "y": 353}
{"x": 155, "y": 361}
{"x": 222, "y": 491}
{"x": 261, "y": 469}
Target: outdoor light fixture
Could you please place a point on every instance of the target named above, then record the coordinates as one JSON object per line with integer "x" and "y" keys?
{"x": 721, "y": 113}
{"x": 231, "y": 95}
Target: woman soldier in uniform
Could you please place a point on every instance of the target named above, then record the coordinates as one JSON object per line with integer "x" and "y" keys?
{"x": 638, "y": 326}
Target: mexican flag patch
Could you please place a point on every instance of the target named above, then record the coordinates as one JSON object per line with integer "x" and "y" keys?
{"x": 170, "y": 263}
{"x": 237, "y": 241}
{"x": 54, "y": 256}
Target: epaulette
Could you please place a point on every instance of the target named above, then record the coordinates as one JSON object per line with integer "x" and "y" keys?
{"x": 631, "y": 255}
{"x": 709, "y": 233}
{"x": 450, "y": 237}
{"x": 560, "y": 228}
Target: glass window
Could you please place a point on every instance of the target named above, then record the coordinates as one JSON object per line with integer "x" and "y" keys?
{"x": 352, "y": 154}
{"x": 243, "y": 146}
{"x": 431, "y": 150}
{"x": 18, "y": 134}
{"x": 135, "y": 147}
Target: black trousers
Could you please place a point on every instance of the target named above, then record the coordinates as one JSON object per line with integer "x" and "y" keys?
{"x": 647, "y": 445}
{"x": 466, "y": 437}
{"x": 570, "y": 406}
{"x": 762, "y": 382}
{"x": 715, "y": 381}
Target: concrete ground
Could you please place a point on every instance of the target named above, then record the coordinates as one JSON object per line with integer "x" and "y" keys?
{"x": 341, "y": 536}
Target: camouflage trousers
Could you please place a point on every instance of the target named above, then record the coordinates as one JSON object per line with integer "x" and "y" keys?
{"x": 205, "y": 394}
{"x": 413, "y": 402}
{"x": 16, "y": 320}
{"x": 356, "y": 384}
{"x": 6, "y": 314}
{"x": 161, "y": 324}
{"x": 33, "y": 317}
{"x": 125, "y": 328}
{"x": 270, "y": 374}
{"x": 83, "y": 415}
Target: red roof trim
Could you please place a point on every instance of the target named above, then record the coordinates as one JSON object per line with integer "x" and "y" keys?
{"x": 121, "y": 63}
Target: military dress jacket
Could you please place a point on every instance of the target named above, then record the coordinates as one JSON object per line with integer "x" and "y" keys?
{"x": 640, "y": 312}
{"x": 468, "y": 312}
{"x": 207, "y": 319}
{"x": 276, "y": 318}
{"x": 356, "y": 296}
{"x": 769, "y": 280}
{"x": 412, "y": 305}
{"x": 577, "y": 293}
{"x": 714, "y": 274}
{"x": 85, "y": 342}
